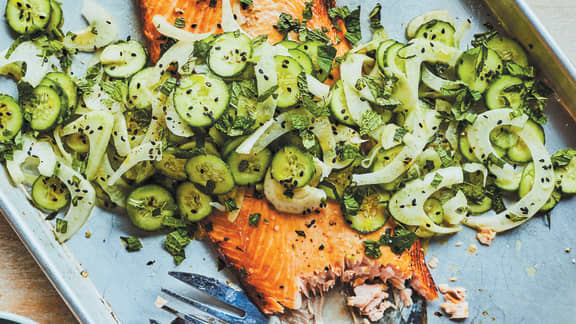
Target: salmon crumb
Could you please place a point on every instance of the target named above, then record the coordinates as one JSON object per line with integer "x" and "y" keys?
{"x": 160, "y": 302}
{"x": 458, "y": 244}
{"x": 88, "y": 234}
{"x": 455, "y": 301}
{"x": 433, "y": 263}
{"x": 486, "y": 236}
{"x": 472, "y": 248}
{"x": 452, "y": 279}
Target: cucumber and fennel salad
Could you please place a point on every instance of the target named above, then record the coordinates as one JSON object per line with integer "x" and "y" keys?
{"x": 421, "y": 133}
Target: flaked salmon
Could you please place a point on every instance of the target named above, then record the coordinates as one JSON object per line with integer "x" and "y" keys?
{"x": 204, "y": 16}
{"x": 289, "y": 257}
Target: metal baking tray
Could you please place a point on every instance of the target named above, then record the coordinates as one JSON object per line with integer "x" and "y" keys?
{"x": 510, "y": 282}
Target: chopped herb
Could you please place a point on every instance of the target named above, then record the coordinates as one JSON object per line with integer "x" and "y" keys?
{"x": 180, "y": 22}
{"x": 117, "y": 90}
{"x": 201, "y": 50}
{"x": 562, "y": 158}
{"x": 372, "y": 249}
{"x": 175, "y": 243}
{"x": 348, "y": 152}
{"x": 374, "y": 17}
{"x": 370, "y": 122}
{"x": 254, "y": 219}
{"x": 519, "y": 70}
{"x": 318, "y": 109}
{"x": 307, "y": 12}
{"x": 353, "y": 31}
{"x": 173, "y": 222}
{"x": 270, "y": 91}
{"x": 167, "y": 86}
{"x": 132, "y": 243}
{"x": 445, "y": 157}
{"x": 230, "y": 205}
{"x": 338, "y": 12}
{"x": 437, "y": 180}
{"x": 402, "y": 240}
{"x": 494, "y": 159}
{"x": 482, "y": 39}
{"x": 61, "y": 225}
{"x": 286, "y": 24}
{"x": 399, "y": 134}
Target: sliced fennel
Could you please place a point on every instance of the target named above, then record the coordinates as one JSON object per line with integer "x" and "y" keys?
{"x": 119, "y": 191}
{"x": 530, "y": 204}
{"x": 102, "y": 29}
{"x": 120, "y": 135}
{"x": 303, "y": 200}
{"x": 31, "y": 55}
{"x": 36, "y": 150}
{"x": 407, "y": 205}
{"x": 148, "y": 151}
{"x": 322, "y": 128}
{"x": 169, "y": 30}
{"x": 83, "y": 200}
{"x": 455, "y": 209}
{"x": 97, "y": 125}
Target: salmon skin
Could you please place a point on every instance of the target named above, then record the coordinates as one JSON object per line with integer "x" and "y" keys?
{"x": 205, "y": 16}
{"x": 288, "y": 257}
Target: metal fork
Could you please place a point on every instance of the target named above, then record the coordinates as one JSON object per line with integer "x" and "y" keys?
{"x": 223, "y": 292}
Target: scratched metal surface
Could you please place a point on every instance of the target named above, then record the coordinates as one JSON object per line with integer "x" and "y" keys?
{"x": 525, "y": 277}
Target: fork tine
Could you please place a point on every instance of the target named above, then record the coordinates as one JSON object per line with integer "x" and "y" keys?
{"x": 189, "y": 319}
{"x": 224, "y": 293}
{"x": 221, "y": 317}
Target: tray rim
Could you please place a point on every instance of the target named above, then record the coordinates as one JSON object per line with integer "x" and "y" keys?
{"x": 88, "y": 306}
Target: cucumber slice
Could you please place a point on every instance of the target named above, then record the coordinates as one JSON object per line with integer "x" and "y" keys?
{"x": 335, "y": 184}
{"x": 56, "y": 19}
{"x": 50, "y": 194}
{"x": 292, "y": 167}
{"x": 249, "y": 169}
{"x": 68, "y": 87}
{"x": 148, "y": 205}
{"x": 303, "y": 59}
{"x": 172, "y": 166}
{"x": 339, "y": 106}
{"x": 78, "y": 142}
{"x": 210, "y": 172}
{"x": 392, "y": 60}
{"x": 28, "y": 17}
{"x": 478, "y": 67}
{"x": 503, "y": 137}
{"x": 433, "y": 208}
{"x": 311, "y": 48}
{"x": 479, "y": 208}
{"x": 288, "y": 44}
{"x": 200, "y": 100}
{"x": 102, "y": 30}
{"x": 372, "y": 214}
{"x": 123, "y": 59}
{"x": 526, "y": 185}
{"x": 141, "y": 87}
{"x": 437, "y": 30}
{"x": 44, "y": 109}
{"x": 508, "y": 49}
{"x": 505, "y": 92}
{"x": 229, "y": 54}
{"x": 520, "y": 152}
{"x": 287, "y": 69}
{"x": 11, "y": 118}
{"x": 381, "y": 53}
{"x": 232, "y": 145}
{"x": 193, "y": 204}
{"x": 415, "y": 24}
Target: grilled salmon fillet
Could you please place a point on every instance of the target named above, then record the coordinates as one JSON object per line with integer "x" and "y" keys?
{"x": 288, "y": 257}
{"x": 204, "y": 16}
